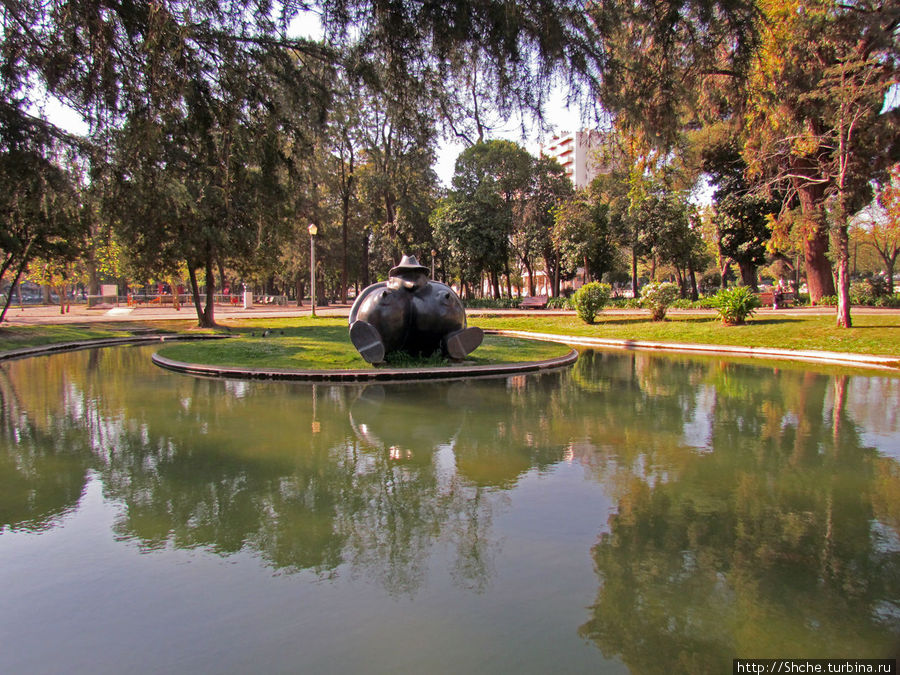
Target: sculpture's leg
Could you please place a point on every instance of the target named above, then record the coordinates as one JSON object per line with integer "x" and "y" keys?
{"x": 367, "y": 340}
{"x": 463, "y": 342}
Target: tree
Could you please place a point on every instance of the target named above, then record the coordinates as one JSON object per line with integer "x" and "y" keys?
{"x": 208, "y": 180}
{"x": 39, "y": 210}
{"x": 814, "y": 99}
{"x": 534, "y": 218}
{"x": 582, "y": 235}
{"x": 397, "y": 185}
{"x": 489, "y": 180}
{"x": 884, "y": 227}
{"x": 741, "y": 213}
{"x": 630, "y": 164}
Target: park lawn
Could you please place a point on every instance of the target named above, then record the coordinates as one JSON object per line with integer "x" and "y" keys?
{"x": 19, "y": 337}
{"x": 317, "y": 345}
{"x": 870, "y": 334}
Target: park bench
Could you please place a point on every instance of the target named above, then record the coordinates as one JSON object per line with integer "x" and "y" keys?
{"x": 767, "y": 298}
{"x": 534, "y": 302}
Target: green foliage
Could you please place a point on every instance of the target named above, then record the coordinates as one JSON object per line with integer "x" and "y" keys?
{"x": 861, "y": 293}
{"x": 492, "y": 303}
{"x": 590, "y": 299}
{"x": 869, "y": 291}
{"x": 734, "y": 305}
{"x": 560, "y": 303}
{"x": 474, "y": 224}
{"x": 685, "y": 303}
{"x": 658, "y": 297}
{"x": 828, "y": 301}
{"x": 626, "y": 303}
{"x": 582, "y": 235}
{"x": 532, "y": 237}
{"x": 889, "y": 301}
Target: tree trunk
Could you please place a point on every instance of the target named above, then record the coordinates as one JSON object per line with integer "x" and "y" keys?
{"x": 345, "y": 218}
{"x": 695, "y": 294}
{"x": 300, "y": 289}
{"x": 209, "y": 320}
{"x": 365, "y": 259}
{"x": 195, "y": 292}
{"x": 634, "y": 277}
{"x": 15, "y": 281}
{"x": 843, "y": 308}
{"x": 222, "y": 283}
{"x": 819, "y": 277}
{"x": 530, "y": 272}
{"x": 556, "y": 277}
{"x": 888, "y": 260}
{"x": 748, "y": 275}
{"x": 679, "y": 278}
{"x": 889, "y": 268}
{"x": 723, "y": 274}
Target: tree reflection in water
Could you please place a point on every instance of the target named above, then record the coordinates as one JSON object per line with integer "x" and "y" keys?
{"x": 751, "y": 519}
{"x": 776, "y": 539}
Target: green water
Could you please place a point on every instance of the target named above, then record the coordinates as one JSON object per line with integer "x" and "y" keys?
{"x": 632, "y": 514}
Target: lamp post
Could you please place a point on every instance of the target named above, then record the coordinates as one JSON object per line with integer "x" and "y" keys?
{"x": 313, "y": 230}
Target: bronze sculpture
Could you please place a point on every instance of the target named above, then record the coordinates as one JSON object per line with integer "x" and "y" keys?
{"x": 412, "y": 313}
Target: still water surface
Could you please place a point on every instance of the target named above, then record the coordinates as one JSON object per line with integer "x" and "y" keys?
{"x": 635, "y": 513}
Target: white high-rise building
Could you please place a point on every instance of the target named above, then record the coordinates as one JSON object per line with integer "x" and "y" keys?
{"x": 576, "y": 151}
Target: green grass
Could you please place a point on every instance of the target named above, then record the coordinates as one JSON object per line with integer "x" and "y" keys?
{"x": 871, "y": 334}
{"x": 320, "y": 344}
{"x": 33, "y": 336}
{"x": 323, "y": 342}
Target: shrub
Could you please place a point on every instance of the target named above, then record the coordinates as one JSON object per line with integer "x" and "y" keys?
{"x": 624, "y": 303}
{"x": 590, "y": 299}
{"x": 658, "y": 297}
{"x": 828, "y": 301}
{"x": 869, "y": 292}
{"x": 861, "y": 293}
{"x": 892, "y": 301}
{"x": 492, "y": 303}
{"x": 559, "y": 303}
{"x": 735, "y": 304}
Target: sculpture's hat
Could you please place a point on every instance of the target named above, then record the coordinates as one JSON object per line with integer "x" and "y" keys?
{"x": 408, "y": 264}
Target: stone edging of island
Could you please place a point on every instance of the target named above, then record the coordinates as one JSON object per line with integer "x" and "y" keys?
{"x": 890, "y": 363}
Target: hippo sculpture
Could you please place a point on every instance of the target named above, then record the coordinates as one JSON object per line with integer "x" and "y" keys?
{"x": 411, "y": 313}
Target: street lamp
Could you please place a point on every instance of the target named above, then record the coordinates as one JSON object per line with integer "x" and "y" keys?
{"x": 313, "y": 230}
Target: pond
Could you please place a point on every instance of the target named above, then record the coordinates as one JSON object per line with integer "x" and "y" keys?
{"x": 634, "y": 513}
